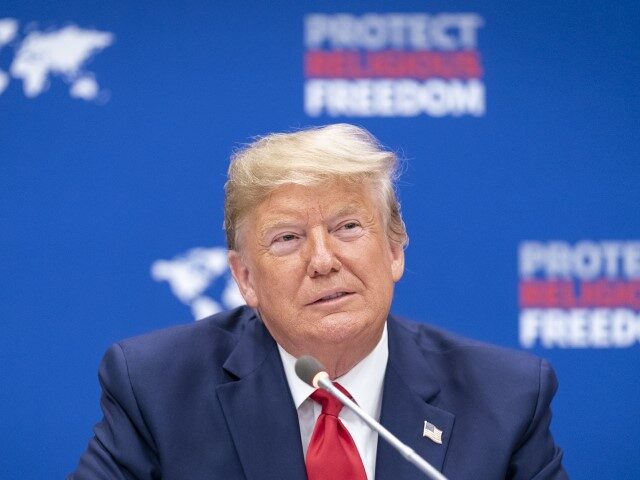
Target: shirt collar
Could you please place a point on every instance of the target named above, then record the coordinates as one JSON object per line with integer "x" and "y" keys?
{"x": 364, "y": 381}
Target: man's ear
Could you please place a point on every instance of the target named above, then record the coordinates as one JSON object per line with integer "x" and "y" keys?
{"x": 397, "y": 260}
{"x": 242, "y": 276}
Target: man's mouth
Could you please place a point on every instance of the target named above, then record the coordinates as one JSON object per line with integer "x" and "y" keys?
{"x": 330, "y": 297}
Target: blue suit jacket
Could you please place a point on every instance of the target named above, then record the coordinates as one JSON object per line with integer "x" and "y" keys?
{"x": 210, "y": 400}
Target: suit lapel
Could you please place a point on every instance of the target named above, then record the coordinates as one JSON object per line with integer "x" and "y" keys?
{"x": 259, "y": 409}
{"x": 409, "y": 397}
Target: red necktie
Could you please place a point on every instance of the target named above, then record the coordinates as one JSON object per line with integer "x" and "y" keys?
{"x": 332, "y": 455}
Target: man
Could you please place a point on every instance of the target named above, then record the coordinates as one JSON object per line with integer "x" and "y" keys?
{"x": 316, "y": 244}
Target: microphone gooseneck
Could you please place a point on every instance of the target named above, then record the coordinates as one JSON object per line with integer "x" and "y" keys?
{"x": 311, "y": 371}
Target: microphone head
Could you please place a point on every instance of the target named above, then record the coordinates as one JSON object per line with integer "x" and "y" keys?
{"x": 307, "y": 368}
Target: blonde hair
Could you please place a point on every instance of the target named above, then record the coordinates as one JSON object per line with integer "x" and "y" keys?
{"x": 310, "y": 157}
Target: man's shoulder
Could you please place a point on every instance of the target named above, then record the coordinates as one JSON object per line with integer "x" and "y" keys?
{"x": 456, "y": 357}
{"x": 210, "y": 339}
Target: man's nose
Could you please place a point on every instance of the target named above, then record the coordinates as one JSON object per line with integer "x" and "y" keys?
{"x": 322, "y": 257}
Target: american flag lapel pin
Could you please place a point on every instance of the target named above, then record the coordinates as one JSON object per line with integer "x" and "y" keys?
{"x": 432, "y": 432}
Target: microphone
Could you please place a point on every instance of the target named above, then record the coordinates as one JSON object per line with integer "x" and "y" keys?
{"x": 311, "y": 371}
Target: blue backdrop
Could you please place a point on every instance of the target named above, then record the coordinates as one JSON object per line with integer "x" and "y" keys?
{"x": 518, "y": 122}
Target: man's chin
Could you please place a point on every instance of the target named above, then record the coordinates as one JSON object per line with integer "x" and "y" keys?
{"x": 342, "y": 329}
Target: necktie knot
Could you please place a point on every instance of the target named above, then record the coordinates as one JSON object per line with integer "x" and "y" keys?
{"x": 330, "y": 405}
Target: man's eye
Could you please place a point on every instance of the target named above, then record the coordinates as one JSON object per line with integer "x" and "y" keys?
{"x": 287, "y": 237}
{"x": 349, "y": 230}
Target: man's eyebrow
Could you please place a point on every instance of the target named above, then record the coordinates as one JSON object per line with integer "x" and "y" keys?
{"x": 349, "y": 209}
{"x": 280, "y": 220}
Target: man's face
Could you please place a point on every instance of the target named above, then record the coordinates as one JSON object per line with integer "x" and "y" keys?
{"x": 317, "y": 264}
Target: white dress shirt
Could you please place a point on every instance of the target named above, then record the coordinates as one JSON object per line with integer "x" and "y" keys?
{"x": 364, "y": 382}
